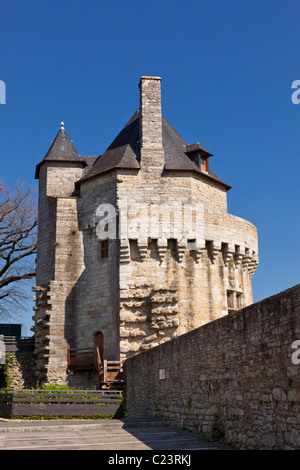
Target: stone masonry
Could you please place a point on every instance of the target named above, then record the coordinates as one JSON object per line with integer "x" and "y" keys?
{"x": 178, "y": 259}
{"x": 234, "y": 378}
{"x": 22, "y": 370}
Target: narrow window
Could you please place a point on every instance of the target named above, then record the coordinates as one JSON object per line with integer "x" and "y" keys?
{"x": 203, "y": 163}
{"x": 191, "y": 245}
{"x": 134, "y": 250}
{"x": 103, "y": 249}
{"x": 99, "y": 346}
{"x": 229, "y": 300}
{"x": 238, "y": 301}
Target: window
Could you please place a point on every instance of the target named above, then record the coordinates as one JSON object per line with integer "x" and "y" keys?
{"x": 198, "y": 155}
{"x": 134, "y": 250}
{"x": 238, "y": 301}
{"x": 103, "y": 249}
{"x": 234, "y": 300}
{"x": 230, "y": 302}
{"x": 203, "y": 163}
{"x": 191, "y": 245}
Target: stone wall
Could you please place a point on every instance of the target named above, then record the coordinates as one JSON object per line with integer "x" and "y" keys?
{"x": 22, "y": 370}
{"x": 76, "y": 292}
{"x": 233, "y": 378}
{"x": 95, "y": 294}
{"x": 59, "y": 266}
{"x": 171, "y": 283}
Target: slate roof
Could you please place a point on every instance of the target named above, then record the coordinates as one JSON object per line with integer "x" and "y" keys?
{"x": 197, "y": 147}
{"x": 124, "y": 152}
{"x": 61, "y": 150}
{"x": 90, "y": 159}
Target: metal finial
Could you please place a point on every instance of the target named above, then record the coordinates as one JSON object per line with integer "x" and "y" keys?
{"x": 62, "y": 126}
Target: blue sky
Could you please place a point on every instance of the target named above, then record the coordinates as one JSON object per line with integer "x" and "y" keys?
{"x": 227, "y": 70}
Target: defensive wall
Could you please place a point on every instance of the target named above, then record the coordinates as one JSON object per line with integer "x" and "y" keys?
{"x": 236, "y": 378}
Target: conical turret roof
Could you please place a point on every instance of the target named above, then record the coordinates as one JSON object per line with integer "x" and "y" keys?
{"x": 61, "y": 150}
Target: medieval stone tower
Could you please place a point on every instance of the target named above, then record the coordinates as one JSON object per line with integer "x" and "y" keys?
{"x": 173, "y": 258}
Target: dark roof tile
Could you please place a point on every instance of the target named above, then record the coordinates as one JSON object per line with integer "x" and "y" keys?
{"x": 124, "y": 152}
{"x": 61, "y": 150}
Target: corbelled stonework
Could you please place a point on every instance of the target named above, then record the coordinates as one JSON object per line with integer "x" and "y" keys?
{"x": 178, "y": 259}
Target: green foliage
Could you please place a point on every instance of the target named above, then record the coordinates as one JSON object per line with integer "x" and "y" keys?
{"x": 5, "y": 378}
{"x": 56, "y": 387}
{"x": 49, "y": 417}
{"x": 53, "y": 386}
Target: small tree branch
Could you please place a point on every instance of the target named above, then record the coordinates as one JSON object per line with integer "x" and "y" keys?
{"x": 18, "y": 222}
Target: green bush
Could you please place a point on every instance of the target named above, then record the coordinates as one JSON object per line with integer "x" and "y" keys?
{"x": 60, "y": 387}
{"x": 5, "y": 379}
{"x": 58, "y": 417}
{"x": 56, "y": 387}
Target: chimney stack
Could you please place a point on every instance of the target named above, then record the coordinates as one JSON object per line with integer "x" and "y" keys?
{"x": 150, "y": 113}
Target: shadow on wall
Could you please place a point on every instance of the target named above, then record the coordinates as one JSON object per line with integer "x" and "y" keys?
{"x": 22, "y": 371}
{"x": 91, "y": 305}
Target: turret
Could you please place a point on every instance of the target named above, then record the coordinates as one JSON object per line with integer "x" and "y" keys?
{"x": 59, "y": 254}
{"x": 61, "y": 166}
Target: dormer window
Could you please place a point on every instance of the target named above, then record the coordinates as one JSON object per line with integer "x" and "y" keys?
{"x": 198, "y": 155}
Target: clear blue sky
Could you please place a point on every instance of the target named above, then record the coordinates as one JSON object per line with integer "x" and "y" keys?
{"x": 227, "y": 69}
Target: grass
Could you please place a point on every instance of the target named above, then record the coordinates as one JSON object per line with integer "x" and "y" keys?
{"x": 57, "y": 418}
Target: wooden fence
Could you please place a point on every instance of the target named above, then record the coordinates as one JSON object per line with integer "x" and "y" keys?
{"x": 60, "y": 402}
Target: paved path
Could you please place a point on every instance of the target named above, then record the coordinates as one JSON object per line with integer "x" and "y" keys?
{"x": 124, "y": 434}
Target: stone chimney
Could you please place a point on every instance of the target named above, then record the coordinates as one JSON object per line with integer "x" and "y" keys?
{"x": 150, "y": 113}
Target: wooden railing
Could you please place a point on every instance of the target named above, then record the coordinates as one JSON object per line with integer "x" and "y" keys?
{"x": 83, "y": 359}
{"x": 15, "y": 343}
{"x": 109, "y": 372}
{"x": 59, "y": 396}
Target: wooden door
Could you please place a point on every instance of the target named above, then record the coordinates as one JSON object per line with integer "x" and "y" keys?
{"x": 99, "y": 343}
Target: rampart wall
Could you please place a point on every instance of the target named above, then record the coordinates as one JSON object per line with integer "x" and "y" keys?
{"x": 236, "y": 378}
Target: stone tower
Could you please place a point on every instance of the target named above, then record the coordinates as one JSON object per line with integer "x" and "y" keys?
{"x": 171, "y": 260}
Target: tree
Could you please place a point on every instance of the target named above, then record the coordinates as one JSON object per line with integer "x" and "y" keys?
{"x": 18, "y": 222}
